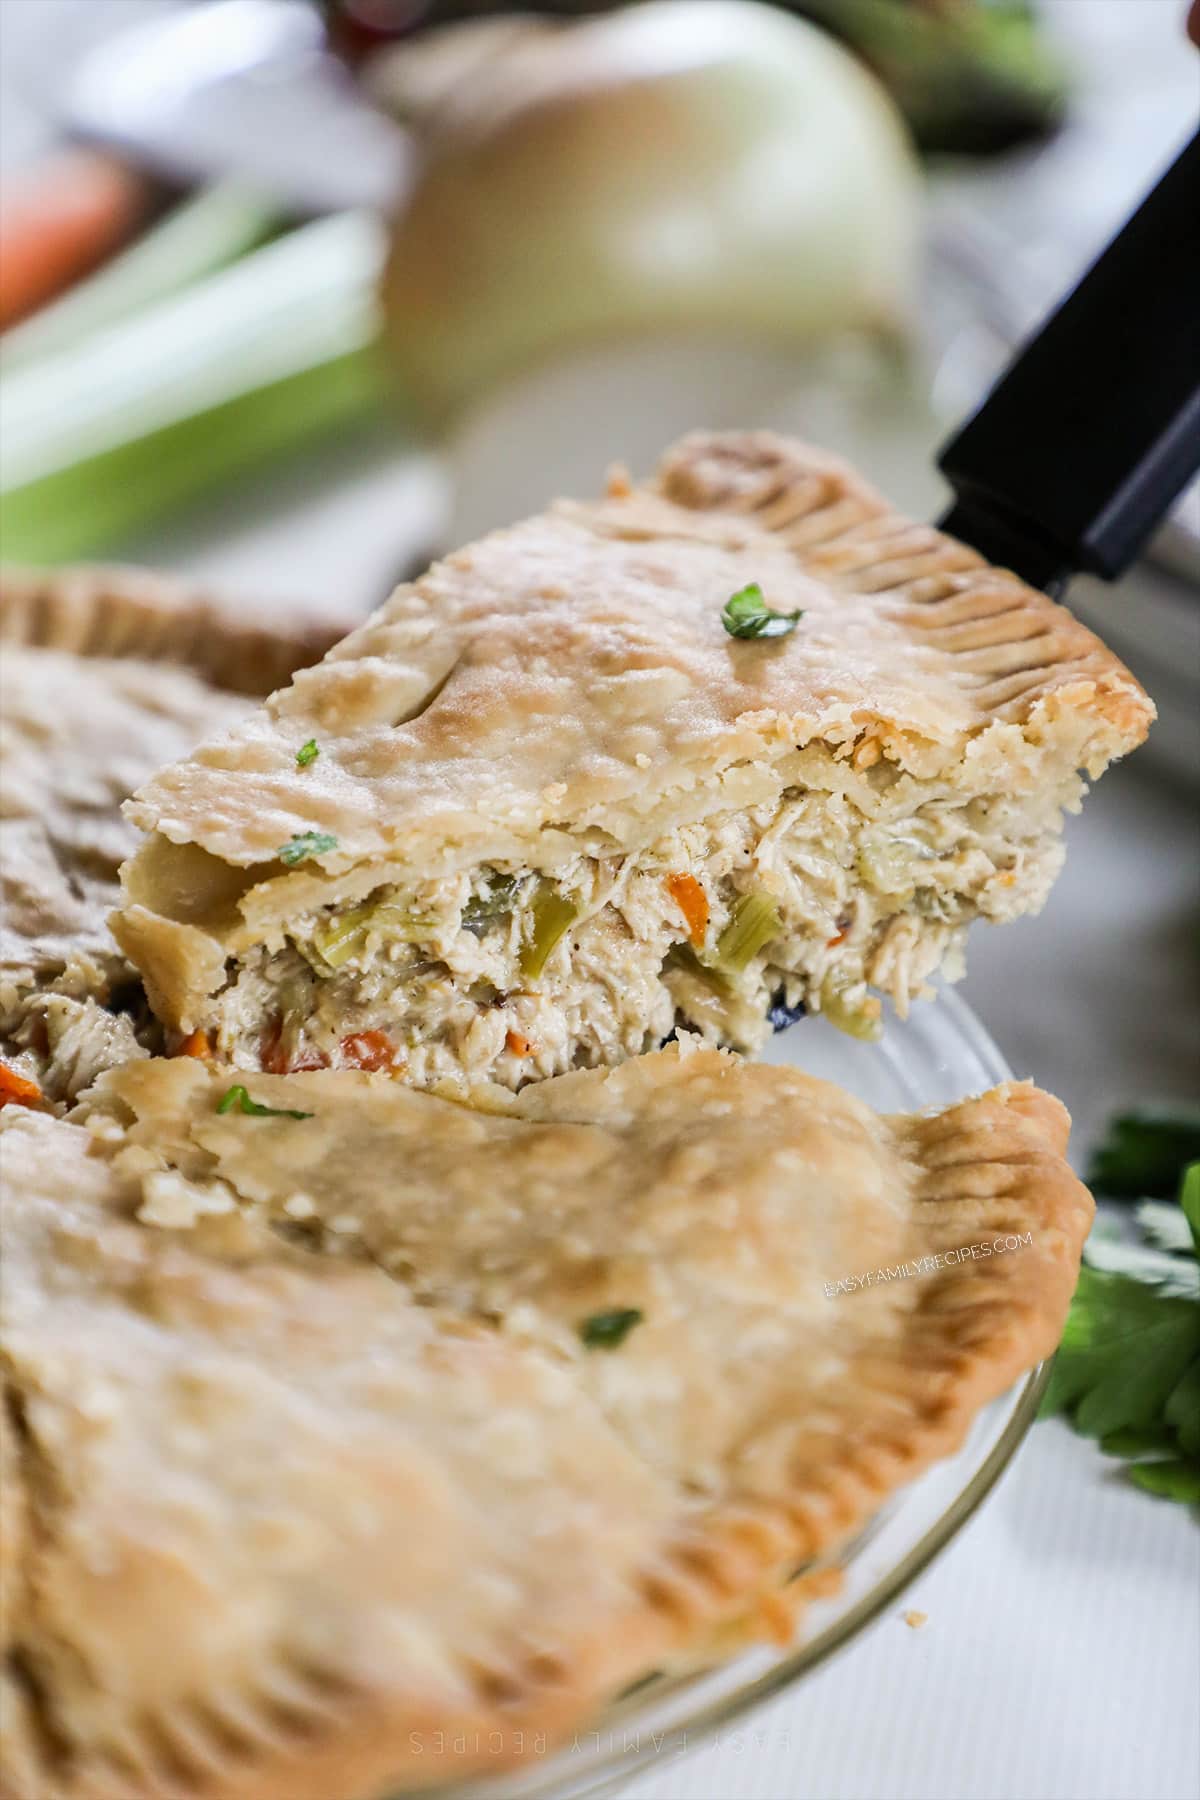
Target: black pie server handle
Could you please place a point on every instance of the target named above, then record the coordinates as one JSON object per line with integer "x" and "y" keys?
{"x": 1094, "y": 429}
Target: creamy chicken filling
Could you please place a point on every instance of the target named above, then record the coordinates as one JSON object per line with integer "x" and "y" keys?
{"x": 512, "y": 974}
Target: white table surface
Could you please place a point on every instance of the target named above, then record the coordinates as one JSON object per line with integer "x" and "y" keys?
{"x": 1061, "y": 1658}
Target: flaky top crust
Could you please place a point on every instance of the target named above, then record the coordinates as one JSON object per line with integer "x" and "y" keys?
{"x": 570, "y": 679}
{"x": 313, "y": 1390}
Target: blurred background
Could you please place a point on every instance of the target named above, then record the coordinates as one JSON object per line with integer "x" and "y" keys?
{"x": 294, "y": 295}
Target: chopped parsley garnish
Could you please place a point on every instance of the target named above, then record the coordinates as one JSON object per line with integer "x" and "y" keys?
{"x": 1128, "y": 1369}
{"x": 747, "y": 615}
{"x": 308, "y": 753}
{"x": 236, "y": 1099}
{"x": 306, "y": 843}
{"x": 605, "y": 1330}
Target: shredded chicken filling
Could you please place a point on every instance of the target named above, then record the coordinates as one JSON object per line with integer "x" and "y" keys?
{"x": 513, "y": 974}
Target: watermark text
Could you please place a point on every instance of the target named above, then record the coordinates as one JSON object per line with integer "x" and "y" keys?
{"x": 928, "y": 1265}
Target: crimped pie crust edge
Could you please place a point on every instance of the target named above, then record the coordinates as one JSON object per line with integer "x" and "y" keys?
{"x": 144, "y": 615}
{"x": 988, "y": 1165}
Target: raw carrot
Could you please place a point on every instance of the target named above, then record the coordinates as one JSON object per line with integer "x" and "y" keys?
{"x": 59, "y": 222}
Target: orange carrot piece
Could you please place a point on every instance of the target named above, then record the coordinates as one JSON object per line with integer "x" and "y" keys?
{"x": 60, "y": 220}
{"x": 18, "y": 1089}
{"x": 520, "y": 1045}
{"x": 692, "y": 902}
{"x": 195, "y": 1044}
{"x": 369, "y": 1050}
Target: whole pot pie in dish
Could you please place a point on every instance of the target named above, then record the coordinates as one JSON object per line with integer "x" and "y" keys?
{"x": 344, "y": 1419}
{"x": 105, "y": 674}
{"x": 703, "y": 754}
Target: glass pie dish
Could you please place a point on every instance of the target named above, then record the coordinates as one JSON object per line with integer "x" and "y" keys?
{"x": 937, "y": 1056}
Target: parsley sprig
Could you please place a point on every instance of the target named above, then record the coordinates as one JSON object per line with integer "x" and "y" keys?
{"x": 747, "y": 615}
{"x": 1128, "y": 1369}
{"x": 605, "y": 1330}
{"x": 306, "y": 843}
{"x": 236, "y": 1099}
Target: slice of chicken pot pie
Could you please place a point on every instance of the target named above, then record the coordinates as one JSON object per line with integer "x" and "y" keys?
{"x": 418, "y": 1432}
{"x": 743, "y": 739}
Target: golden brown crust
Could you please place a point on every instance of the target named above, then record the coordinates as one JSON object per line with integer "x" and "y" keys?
{"x": 114, "y": 610}
{"x": 749, "y": 1422}
{"x": 567, "y": 687}
{"x": 1013, "y": 647}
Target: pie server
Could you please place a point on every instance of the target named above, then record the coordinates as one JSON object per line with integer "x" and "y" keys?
{"x": 1093, "y": 431}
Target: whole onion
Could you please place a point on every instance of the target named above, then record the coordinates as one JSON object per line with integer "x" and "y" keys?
{"x": 691, "y": 166}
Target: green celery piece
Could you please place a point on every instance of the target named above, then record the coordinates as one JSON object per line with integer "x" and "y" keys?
{"x": 753, "y": 922}
{"x": 866, "y": 1026}
{"x": 497, "y": 899}
{"x": 91, "y": 506}
{"x": 1144, "y": 1151}
{"x": 1171, "y": 1480}
{"x": 552, "y": 914}
{"x": 343, "y": 937}
{"x": 347, "y": 932}
{"x": 202, "y": 234}
{"x": 263, "y": 358}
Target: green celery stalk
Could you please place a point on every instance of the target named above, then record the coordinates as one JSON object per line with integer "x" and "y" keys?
{"x": 552, "y": 914}
{"x": 197, "y": 237}
{"x": 753, "y": 922}
{"x": 111, "y": 434}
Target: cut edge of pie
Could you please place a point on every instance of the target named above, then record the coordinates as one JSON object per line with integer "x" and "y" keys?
{"x": 78, "y": 645}
{"x": 291, "y": 1730}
